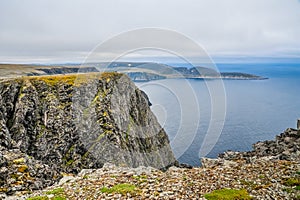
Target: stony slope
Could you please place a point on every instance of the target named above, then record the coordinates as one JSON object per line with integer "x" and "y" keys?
{"x": 262, "y": 179}
{"x": 267, "y": 172}
{"x": 67, "y": 123}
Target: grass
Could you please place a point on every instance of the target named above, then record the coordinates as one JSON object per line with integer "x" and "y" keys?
{"x": 123, "y": 188}
{"x": 74, "y": 79}
{"x": 70, "y": 162}
{"x": 59, "y": 194}
{"x": 38, "y": 198}
{"x": 288, "y": 190}
{"x": 292, "y": 182}
{"x": 19, "y": 161}
{"x": 58, "y": 198}
{"x": 140, "y": 178}
{"x": 54, "y": 80}
{"x": 85, "y": 176}
{"x": 46, "y": 198}
{"x": 56, "y": 191}
{"x": 228, "y": 194}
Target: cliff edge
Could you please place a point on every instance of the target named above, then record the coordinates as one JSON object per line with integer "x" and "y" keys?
{"x": 55, "y": 124}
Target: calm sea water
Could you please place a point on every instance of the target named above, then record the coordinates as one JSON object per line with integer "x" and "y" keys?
{"x": 256, "y": 110}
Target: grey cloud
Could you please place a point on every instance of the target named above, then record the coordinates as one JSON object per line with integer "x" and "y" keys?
{"x": 54, "y": 29}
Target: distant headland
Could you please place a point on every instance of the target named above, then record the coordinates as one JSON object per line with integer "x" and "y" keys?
{"x": 137, "y": 71}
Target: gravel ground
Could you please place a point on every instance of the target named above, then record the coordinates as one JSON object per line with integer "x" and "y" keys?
{"x": 262, "y": 178}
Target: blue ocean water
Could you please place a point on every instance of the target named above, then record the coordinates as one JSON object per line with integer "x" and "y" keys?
{"x": 256, "y": 110}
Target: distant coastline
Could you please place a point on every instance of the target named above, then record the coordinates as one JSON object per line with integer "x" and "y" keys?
{"x": 137, "y": 71}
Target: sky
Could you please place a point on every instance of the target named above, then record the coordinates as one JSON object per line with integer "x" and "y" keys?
{"x": 49, "y": 31}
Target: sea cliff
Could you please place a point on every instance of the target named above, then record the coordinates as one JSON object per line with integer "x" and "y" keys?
{"x": 51, "y": 125}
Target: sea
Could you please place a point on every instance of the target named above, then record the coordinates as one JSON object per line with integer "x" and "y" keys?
{"x": 204, "y": 118}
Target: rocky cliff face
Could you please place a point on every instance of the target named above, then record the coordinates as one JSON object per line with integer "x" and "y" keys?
{"x": 68, "y": 123}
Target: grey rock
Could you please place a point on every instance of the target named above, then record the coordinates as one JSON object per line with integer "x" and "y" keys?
{"x": 209, "y": 162}
{"x": 3, "y": 160}
{"x": 69, "y": 123}
{"x": 286, "y": 146}
{"x": 65, "y": 179}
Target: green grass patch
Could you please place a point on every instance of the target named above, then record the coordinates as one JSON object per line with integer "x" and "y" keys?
{"x": 123, "y": 188}
{"x": 140, "y": 178}
{"x": 56, "y": 191}
{"x": 261, "y": 176}
{"x": 85, "y": 176}
{"x": 58, "y": 198}
{"x": 38, "y": 198}
{"x": 228, "y": 194}
{"x": 288, "y": 190}
{"x": 292, "y": 182}
{"x": 74, "y": 79}
{"x": 70, "y": 162}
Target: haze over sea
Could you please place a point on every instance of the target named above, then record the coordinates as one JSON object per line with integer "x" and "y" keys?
{"x": 257, "y": 110}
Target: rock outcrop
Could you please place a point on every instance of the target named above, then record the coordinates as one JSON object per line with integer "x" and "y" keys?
{"x": 270, "y": 171}
{"x": 286, "y": 146}
{"x": 68, "y": 123}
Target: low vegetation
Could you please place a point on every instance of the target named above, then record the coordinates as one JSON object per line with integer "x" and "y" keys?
{"x": 38, "y": 198}
{"x": 56, "y": 191}
{"x": 292, "y": 182}
{"x": 57, "y": 194}
{"x": 228, "y": 194}
{"x": 73, "y": 79}
{"x": 123, "y": 188}
{"x": 293, "y": 185}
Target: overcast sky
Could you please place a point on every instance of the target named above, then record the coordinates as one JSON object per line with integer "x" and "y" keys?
{"x": 67, "y": 30}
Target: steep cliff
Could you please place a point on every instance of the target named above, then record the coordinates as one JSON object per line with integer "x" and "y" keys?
{"x": 72, "y": 122}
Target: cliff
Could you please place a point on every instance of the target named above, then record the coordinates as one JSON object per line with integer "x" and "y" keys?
{"x": 54, "y": 124}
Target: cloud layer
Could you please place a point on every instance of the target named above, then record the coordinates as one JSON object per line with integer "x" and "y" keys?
{"x": 50, "y": 31}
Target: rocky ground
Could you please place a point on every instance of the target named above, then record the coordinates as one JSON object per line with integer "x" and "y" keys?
{"x": 270, "y": 171}
{"x": 263, "y": 179}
